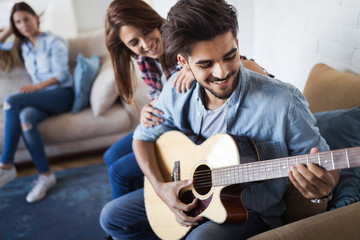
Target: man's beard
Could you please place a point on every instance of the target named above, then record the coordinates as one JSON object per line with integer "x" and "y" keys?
{"x": 225, "y": 95}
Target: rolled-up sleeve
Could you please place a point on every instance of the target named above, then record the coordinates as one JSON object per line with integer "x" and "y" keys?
{"x": 59, "y": 59}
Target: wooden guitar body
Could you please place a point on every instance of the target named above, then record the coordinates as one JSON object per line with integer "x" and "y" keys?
{"x": 195, "y": 161}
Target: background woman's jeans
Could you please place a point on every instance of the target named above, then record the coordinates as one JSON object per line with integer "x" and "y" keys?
{"x": 22, "y": 114}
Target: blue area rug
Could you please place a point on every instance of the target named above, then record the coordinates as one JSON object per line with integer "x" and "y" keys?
{"x": 70, "y": 211}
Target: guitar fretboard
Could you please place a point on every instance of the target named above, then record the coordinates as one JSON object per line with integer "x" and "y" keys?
{"x": 277, "y": 168}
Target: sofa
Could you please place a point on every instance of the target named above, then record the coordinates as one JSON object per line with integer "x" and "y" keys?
{"x": 334, "y": 99}
{"x": 94, "y": 128}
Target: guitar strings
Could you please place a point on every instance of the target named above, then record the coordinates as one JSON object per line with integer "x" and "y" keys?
{"x": 244, "y": 172}
{"x": 261, "y": 164}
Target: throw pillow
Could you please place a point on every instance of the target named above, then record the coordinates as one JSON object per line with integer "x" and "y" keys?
{"x": 341, "y": 129}
{"x": 84, "y": 76}
{"x": 104, "y": 91}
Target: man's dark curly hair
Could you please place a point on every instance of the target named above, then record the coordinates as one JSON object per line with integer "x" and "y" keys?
{"x": 191, "y": 21}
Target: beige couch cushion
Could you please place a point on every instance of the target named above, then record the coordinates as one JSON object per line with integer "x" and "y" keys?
{"x": 340, "y": 89}
{"x": 103, "y": 92}
{"x": 84, "y": 125}
{"x": 70, "y": 127}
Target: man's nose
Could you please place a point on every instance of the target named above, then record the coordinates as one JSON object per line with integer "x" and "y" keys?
{"x": 219, "y": 71}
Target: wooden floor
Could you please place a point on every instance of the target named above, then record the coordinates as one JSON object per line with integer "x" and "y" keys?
{"x": 61, "y": 164}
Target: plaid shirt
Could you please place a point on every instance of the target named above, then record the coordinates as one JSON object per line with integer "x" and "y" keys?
{"x": 152, "y": 74}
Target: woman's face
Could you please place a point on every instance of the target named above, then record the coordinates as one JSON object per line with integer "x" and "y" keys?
{"x": 26, "y": 23}
{"x": 149, "y": 45}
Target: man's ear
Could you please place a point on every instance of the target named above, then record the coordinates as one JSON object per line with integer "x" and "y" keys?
{"x": 183, "y": 62}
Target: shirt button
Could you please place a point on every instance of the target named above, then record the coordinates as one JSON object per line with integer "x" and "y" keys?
{"x": 198, "y": 113}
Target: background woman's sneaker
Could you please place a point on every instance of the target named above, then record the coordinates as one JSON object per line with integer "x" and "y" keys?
{"x": 42, "y": 185}
{"x": 6, "y": 175}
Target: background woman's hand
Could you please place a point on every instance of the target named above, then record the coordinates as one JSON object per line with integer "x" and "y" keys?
{"x": 183, "y": 80}
{"x": 29, "y": 88}
{"x": 147, "y": 117}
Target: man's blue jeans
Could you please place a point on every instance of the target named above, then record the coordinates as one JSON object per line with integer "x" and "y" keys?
{"x": 22, "y": 114}
{"x": 124, "y": 172}
{"x": 125, "y": 218}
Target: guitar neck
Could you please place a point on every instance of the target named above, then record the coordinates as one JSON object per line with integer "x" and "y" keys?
{"x": 277, "y": 168}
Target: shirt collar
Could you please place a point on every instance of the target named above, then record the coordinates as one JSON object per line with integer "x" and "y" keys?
{"x": 41, "y": 36}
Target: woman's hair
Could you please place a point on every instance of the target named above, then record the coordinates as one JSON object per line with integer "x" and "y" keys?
{"x": 20, "y": 6}
{"x": 134, "y": 13}
{"x": 9, "y": 59}
{"x": 191, "y": 21}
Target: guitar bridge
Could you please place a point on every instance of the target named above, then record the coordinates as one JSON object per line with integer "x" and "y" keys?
{"x": 175, "y": 175}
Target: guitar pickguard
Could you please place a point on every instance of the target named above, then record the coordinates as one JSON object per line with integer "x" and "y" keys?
{"x": 201, "y": 205}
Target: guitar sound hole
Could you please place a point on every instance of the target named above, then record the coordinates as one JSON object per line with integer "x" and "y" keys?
{"x": 202, "y": 179}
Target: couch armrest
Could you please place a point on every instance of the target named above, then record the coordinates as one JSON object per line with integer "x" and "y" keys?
{"x": 341, "y": 223}
{"x": 328, "y": 89}
{"x": 12, "y": 81}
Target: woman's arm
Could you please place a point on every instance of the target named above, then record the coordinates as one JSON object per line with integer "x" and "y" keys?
{"x": 59, "y": 60}
{"x": 253, "y": 66}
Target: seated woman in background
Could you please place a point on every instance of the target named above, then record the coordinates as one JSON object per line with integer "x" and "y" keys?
{"x": 46, "y": 60}
{"x": 133, "y": 31}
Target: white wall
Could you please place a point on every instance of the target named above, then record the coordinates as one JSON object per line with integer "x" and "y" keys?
{"x": 90, "y": 15}
{"x": 5, "y": 7}
{"x": 161, "y": 6}
{"x": 293, "y": 35}
{"x": 245, "y": 9}
{"x": 59, "y": 18}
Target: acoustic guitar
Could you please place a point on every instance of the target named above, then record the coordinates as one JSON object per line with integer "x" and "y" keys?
{"x": 217, "y": 167}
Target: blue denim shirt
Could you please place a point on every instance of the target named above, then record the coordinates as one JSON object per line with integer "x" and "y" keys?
{"x": 274, "y": 114}
{"x": 48, "y": 60}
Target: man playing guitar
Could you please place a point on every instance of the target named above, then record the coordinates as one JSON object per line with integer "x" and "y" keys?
{"x": 226, "y": 98}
